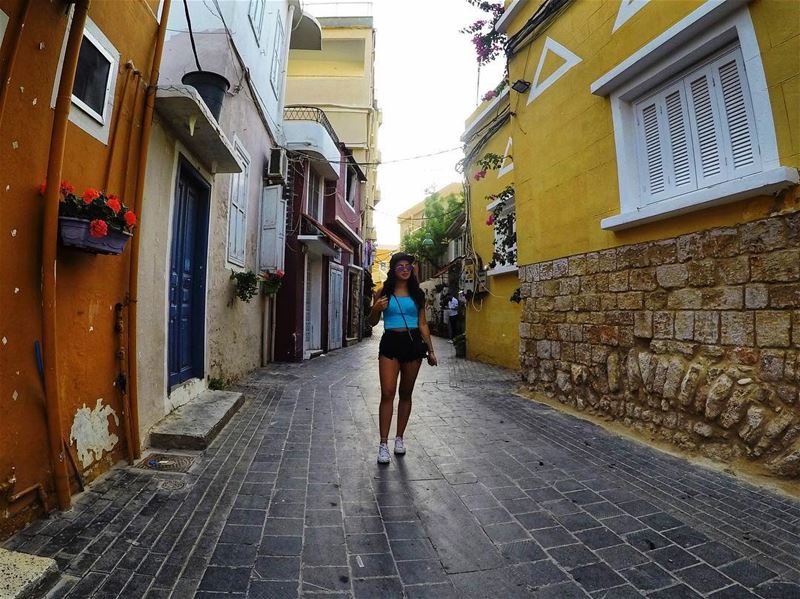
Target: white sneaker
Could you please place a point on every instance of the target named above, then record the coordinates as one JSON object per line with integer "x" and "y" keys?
{"x": 383, "y": 454}
{"x": 399, "y": 447}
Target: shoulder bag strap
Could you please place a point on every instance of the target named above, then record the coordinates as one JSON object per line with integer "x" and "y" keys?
{"x": 400, "y": 308}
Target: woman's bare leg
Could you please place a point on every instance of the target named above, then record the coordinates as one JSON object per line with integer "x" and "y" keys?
{"x": 388, "y": 370}
{"x": 408, "y": 376}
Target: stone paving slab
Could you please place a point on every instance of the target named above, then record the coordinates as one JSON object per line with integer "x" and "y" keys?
{"x": 497, "y": 497}
{"x": 23, "y": 575}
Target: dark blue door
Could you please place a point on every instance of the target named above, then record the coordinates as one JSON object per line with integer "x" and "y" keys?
{"x": 188, "y": 277}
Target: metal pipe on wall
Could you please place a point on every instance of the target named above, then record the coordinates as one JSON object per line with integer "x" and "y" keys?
{"x": 133, "y": 283}
{"x": 49, "y": 241}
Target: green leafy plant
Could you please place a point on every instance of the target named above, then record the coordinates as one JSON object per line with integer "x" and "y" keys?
{"x": 487, "y": 40}
{"x": 439, "y": 213}
{"x": 215, "y": 384}
{"x": 246, "y": 284}
{"x": 516, "y": 297}
{"x": 103, "y": 211}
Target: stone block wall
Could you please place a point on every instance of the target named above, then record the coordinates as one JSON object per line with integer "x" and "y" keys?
{"x": 694, "y": 339}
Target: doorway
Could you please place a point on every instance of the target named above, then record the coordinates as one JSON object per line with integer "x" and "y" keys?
{"x": 187, "y": 277}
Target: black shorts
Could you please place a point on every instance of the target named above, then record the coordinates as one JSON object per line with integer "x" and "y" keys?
{"x": 397, "y": 345}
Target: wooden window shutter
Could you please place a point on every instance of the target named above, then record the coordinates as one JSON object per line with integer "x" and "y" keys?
{"x": 681, "y": 173}
{"x": 651, "y": 155}
{"x": 738, "y": 124}
{"x": 706, "y": 129}
{"x": 273, "y": 228}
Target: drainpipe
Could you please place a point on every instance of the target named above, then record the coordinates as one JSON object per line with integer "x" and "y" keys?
{"x": 133, "y": 283}
{"x": 12, "y": 57}
{"x": 49, "y": 240}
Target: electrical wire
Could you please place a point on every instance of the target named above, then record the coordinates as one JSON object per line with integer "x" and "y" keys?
{"x": 191, "y": 34}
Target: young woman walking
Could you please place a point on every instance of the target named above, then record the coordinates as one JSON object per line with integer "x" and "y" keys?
{"x": 405, "y": 342}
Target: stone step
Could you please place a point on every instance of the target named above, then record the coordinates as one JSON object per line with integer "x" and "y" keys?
{"x": 23, "y": 575}
{"x": 195, "y": 424}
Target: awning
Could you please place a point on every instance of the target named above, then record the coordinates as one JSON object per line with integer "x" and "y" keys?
{"x": 321, "y": 239}
{"x": 184, "y": 112}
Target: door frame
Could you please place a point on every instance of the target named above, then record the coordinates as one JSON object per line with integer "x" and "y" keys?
{"x": 186, "y": 169}
{"x": 331, "y": 300}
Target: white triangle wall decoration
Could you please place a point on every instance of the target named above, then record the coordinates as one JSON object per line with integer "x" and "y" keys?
{"x": 627, "y": 9}
{"x": 570, "y": 60}
{"x": 506, "y": 168}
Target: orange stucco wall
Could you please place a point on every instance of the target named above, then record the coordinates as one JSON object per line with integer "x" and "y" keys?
{"x": 88, "y": 286}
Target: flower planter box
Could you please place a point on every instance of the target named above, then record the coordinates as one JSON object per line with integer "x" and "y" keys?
{"x": 75, "y": 233}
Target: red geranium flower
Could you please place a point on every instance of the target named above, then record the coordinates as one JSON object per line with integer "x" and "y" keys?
{"x": 90, "y": 195}
{"x": 66, "y": 187}
{"x": 130, "y": 219}
{"x": 98, "y": 228}
{"x": 114, "y": 203}
{"x": 279, "y": 274}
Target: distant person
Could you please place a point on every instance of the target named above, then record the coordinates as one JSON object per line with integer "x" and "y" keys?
{"x": 452, "y": 316}
{"x": 406, "y": 341}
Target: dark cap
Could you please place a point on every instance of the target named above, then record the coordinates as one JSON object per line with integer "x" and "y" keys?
{"x": 400, "y": 256}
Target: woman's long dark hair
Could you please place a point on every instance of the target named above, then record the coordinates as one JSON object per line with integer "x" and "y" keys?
{"x": 414, "y": 290}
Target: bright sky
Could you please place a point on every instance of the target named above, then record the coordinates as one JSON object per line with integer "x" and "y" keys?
{"x": 426, "y": 81}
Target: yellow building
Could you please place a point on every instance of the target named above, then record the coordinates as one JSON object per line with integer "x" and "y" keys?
{"x": 656, "y": 147}
{"x": 380, "y": 265}
{"x": 340, "y": 79}
{"x": 492, "y": 320}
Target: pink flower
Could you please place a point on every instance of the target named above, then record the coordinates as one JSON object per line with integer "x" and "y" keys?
{"x": 279, "y": 274}
{"x": 480, "y": 175}
{"x": 490, "y": 219}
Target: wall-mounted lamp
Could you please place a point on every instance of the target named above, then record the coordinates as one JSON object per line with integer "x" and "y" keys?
{"x": 521, "y": 86}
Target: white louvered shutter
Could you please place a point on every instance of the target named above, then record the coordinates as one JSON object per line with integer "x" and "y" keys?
{"x": 651, "y": 153}
{"x": 706, "y": 128}
{"x": 273, "y": 228}
{"x": 735, "y": 107}
{"x": 681, "y": 171}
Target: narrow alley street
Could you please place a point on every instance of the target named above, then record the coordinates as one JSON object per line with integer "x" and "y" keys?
{"x": 497, "y": 497}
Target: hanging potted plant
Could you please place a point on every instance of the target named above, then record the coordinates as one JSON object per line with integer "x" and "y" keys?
{"x": 94, "y": 222}
{"x": 271, "y": 281}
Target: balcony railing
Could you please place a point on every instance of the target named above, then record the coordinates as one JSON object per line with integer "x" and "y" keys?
{"x": 326, "y": 8}
{"x": 310, "y": 113}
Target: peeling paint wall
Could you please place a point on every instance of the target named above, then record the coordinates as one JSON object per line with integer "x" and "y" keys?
{"x": 91, "y": 432}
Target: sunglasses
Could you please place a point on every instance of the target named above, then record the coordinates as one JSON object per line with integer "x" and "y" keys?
{"x": 404, "y": 267}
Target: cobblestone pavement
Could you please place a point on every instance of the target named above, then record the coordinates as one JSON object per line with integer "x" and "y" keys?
{"x": 497, "y": 497}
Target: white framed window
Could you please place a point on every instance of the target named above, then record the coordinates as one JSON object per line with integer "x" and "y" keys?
{"x": 277, "y": 57}
{"x": 3, "y": 25}
{"x": 256, "y": 15}
{"x": 351, "y": 188}
{"x": 237, "y": 209}
{"x": 95, "y": 81}
{"x": 693, "y": 123}
{"x": 504, "y": 258}
{"x": 315, "y": 191}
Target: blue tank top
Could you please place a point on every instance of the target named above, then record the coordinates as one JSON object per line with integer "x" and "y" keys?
{"x": 392, "y": 318}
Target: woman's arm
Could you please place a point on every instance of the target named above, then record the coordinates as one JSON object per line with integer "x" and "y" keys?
{"x": 426, "y": 336}
{"x": 378, "y": 306}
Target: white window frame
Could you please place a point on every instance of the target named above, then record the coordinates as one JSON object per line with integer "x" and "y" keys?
{"x": 351, "y": 182}
{"x": 509, "y": 208}
{"x": 100, "y": 118}
{"x": 239, "y": 189}
{"x": 320, "y": 189}
{"x": 3, "y": 25}
{"x": 710, "y": 28}
{"x": 98, "y": 126}
{"x": 277, "y": 57}
{"x": 256, "y": 17}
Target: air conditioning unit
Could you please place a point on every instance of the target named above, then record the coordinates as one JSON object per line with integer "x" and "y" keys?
{"x": 278, "y": 167}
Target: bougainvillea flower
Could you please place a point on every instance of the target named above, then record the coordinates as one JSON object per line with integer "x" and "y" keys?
{"x": 114, "y": 203}
{"x": 490, "y": 220}
{"x": 90, "y": 195}
{"x": 66, "y": 187}
{"x": 480, "y": 175}
{"x": 130, "y": 219}
{"x": 98, "y": 228}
